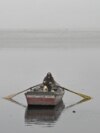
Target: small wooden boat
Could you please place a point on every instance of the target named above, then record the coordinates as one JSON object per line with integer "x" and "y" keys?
{"x": 41, "y": 96}
{"x": 47, "y": 93}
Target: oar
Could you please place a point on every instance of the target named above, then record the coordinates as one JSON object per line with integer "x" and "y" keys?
{"x": 80, "y": 94}
{"x": 13, "y": 95}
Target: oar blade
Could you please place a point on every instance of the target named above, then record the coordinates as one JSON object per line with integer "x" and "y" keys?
{"x": 84, "y": 96}
{"x": 10, "y": 96}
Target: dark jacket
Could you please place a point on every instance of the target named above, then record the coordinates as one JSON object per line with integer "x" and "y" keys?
{"x": 49, "y": 81}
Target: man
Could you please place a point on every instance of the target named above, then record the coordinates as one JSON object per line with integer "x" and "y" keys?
{"x": 49, "y": 81}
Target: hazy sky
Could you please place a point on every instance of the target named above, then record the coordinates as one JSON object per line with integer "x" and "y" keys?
{"x": 58, "y": 14}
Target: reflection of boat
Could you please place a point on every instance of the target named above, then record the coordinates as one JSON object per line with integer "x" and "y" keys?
{"x": 43, "y": 114}
{"x": 37, "y": 96}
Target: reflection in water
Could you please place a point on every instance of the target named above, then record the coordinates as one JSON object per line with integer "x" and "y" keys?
{"x": 43, "y": 115}
{"x": 47, "y": 116}
{"x": 81, "y": 101}
{"x": 16, "y": 102}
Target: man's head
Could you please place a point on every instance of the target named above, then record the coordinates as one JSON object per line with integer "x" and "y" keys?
{"x": 49, "y": 74}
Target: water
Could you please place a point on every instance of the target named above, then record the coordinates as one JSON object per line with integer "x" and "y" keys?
{"x": 74, "y": 68}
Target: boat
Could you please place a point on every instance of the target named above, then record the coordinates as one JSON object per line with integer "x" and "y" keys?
{"x": 40, "y": 96}
{"x": 47, "y": 93}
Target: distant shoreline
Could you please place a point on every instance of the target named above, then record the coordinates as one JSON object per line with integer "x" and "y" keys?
{"x": 51, "y": 39}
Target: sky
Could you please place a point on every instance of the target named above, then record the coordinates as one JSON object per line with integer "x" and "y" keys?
{"x": 50, "y": 14}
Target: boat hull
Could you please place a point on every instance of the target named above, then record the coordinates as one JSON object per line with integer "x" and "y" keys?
{"x": 43, "y": 98}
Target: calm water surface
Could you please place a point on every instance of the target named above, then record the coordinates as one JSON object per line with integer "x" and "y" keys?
{"x": 77, "y": 69}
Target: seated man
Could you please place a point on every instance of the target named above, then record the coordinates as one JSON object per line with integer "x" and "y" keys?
{"x": 49, "y": 81}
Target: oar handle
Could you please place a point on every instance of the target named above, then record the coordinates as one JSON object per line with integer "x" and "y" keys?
{"x": 28, "y": 89}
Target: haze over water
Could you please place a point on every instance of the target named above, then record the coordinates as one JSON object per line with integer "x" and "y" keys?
{"x": 72, "y": 58}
